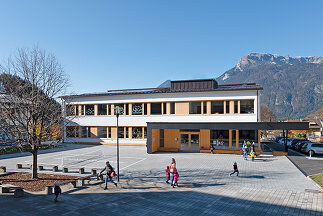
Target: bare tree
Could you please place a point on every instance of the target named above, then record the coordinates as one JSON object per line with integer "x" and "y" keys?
{"x": 33, "y": 80}
{"x": 266, "y": 114}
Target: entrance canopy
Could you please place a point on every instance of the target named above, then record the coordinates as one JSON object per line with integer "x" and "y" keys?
{"x": 221, "y": 126}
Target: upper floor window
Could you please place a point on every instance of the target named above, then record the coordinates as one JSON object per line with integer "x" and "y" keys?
{"x": 172, "y": 108}
{"x": 70, "y": 110}
{"x": 121, "y": 108}
{"x": 236, "y": 107}
{"x": 155, "y": 109}
{"x": 137, "y": 109}
{"x": 195, "y": 107}
{"x": 227, "y": 107}
{"x": 102, "y": 109}
{"x": 247, "y": 106}
{"x": 89, "y": 109}
{"x": 217, "y": 107}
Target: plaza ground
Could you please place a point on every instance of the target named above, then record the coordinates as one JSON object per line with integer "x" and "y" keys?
{"x": 267, "y": 186}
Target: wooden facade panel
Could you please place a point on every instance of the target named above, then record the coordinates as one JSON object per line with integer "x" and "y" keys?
{"x": 155, "y": 140}
{"x": 114, "y": 132}
{"x": 231, "y": 107}
{"x": 208, "y": 107}
{"x": 182, "y": 108}
{"x": 94, "y": 132}
{"x": 171, "y": 139}
{"x": 205, "y": 139}
{"x": 237, "y": 139}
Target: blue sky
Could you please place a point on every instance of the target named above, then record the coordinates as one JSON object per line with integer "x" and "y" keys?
{"x": 136, "y": 44}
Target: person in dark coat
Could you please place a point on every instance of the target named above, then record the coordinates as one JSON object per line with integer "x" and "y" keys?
{"x": 57, "y": 191}
{"x": 109, "y": 175}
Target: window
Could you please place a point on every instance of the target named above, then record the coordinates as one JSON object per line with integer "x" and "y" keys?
{"x": 70, "y": 131}
{"x": 89, "y": 109}
{"x": 161, "y": 137}
{"x": 155, "y": 109}
{"x": 172, "y": 108}
{"x": 204, "y": 107}
{"x": 164, "y": 108}
{"x": 235, "y": 106}
{"x": 136, "y": 109}
{"x": 121, "y": 108}
{"x": 247, "y": 106}
{"x": 248, "y": 135}
{"x": 189, "y": 130}
{"x": 127, "y": 132}
{"x": 102, "y": 109}
{"x": 219, "y": 139}
{"x": 217, "y": 107}
{"x": 69, "y": 110}
{"x": 83, "y": 132}
{"x": 195, "y": 107}
{"x": 77, "y": 110}
{"x": 227, "y": 107}
{"x": 102, "y": 132}
{"x": 109, "y": 132}
{"x": 82, "y": 110}
{"x": 120, "y": 132}
{"x": 145, "y": 132}
{"x": 137, "y": 133}
{"x": 127, "y": 109}
{"x": 109, "y": 109}
{"x": 145, "y": 109}
{"x": 88, "y": 132}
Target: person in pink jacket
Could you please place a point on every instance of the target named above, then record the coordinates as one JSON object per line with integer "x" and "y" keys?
{"x": 176, "y": 176}
{"x": 172, "y": 167}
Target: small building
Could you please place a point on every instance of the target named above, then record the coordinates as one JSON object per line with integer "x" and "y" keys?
{"x": 184, "y": 115}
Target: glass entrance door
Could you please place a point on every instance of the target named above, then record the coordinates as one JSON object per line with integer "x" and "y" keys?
{"x": 184, "y": 142}
{"x": 190, "y": 142}
{"x": 195, "y": 144}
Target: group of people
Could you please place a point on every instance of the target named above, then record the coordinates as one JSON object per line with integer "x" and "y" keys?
{"x": 248, "y": 149}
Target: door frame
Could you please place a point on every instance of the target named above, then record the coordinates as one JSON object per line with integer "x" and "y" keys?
{"x": 189, "y": 140}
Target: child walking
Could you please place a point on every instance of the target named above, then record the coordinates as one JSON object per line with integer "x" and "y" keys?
{"x": 175, "y": 182}
{"x": 235, "y": 169}
{"x": 252, "y": 154}
{"x": 57, "y": 191}
{"x": 167, "y": 174}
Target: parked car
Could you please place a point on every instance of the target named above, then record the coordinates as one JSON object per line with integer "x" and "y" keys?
{"x": 312, "y": 148}
{"x": 278, "y": 138}
{"x": 289, "y": 140}
{"x": 294, "y": 141}
{"x": 300, "y": 144}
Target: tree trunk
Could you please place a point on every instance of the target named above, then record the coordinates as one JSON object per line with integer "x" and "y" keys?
{"x": 34, "y": 166}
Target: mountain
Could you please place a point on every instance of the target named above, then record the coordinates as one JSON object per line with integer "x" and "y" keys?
{"x": 293, "y": 86}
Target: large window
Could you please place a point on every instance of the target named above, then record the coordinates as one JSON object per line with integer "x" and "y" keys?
{"x": 155, "y": 109}
{"x": 109, "y": 132}
{"x": 121, "y": 108}
{"x": 248, "y": 135}
{"x": 109, "y": 109}
{"x": 82, "y": 110}
{"x": 102, "y": 109}
{"x": 83, "y": 132}
{"x": 145, "y": 109}
{"x": 219, "y": 139}
{"x": 120, "y": 132}
{"x": 227, "y": 107}
{"x": 127, "y": 109}
{"x": 164, "y": 108}
{"x": 89, "y": 109}
{"x": 70, "y": 110}
{"x": 88, "y": 132}
{"x": 145, "y": 132}
{"x": 195, "y": 107}
{"x": 172, "y": 108}
{"x": 102, "y": 132}
{"x": 70, "y": 131}
{"x": 137, "y": 109}
{"x": 137, "y": 133}
{"x": 217, "y": 107}
{"x": 247, "y": 106}
{"x": 236, "y": 107}
{"x": 204, "y": 107}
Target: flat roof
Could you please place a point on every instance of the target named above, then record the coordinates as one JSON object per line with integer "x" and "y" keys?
{"x": 231, "y": 125}
{"x": 228, "y": 87}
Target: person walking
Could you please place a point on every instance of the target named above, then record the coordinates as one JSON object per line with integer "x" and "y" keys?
{"x": 245, "y": 151}
{"x": 167, "y": 174}
{"x": 253, "y": 148}
{"x": 235, "y": 169}
{"x": 176, "y": 176}
{"x": 172, "y": 167}
{"x": 110, "y": 173}
{"x": 57, "y": 191}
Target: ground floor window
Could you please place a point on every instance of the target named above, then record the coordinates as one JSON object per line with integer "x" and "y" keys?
{"x": 102, "y": 132}
{"x": 83, "y": 132}
{"x": 137, "y": 133}
{"x": 219, "y": 139}
{"x": 71, "y": 131}
{"x": 121, "y": 132}
{"x": 249, "y": 136}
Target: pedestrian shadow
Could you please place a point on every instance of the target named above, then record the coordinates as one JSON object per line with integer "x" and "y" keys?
{"x": 253, "y": 176}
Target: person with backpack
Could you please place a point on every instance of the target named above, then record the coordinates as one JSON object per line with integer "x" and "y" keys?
{"x": 110, "y": 173}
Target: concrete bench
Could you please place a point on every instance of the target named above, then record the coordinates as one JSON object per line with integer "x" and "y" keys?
{"x": 3, "y": 169}
{"x": 66, "y": 184}
{"x": 20, "y": 165}
{"x": 94, "y": 171}
{"x": 54, "y": 167}
{"x": 17, "y": 191}
{"x": 65, "y": 169}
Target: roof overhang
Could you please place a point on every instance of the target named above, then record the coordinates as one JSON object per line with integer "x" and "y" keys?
{"x": 231, "y": 125}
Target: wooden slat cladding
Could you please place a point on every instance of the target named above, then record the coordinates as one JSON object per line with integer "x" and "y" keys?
{"x": 171, "y": 139}
{"x": 193, "y": 84}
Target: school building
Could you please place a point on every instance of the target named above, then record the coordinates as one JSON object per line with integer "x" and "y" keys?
{"x": 184, "y": 115}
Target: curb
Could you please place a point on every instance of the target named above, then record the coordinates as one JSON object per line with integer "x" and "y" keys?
{"x": 319, "y": 186}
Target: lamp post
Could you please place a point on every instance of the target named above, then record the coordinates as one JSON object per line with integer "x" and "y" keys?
{"x": 117, "y": 113}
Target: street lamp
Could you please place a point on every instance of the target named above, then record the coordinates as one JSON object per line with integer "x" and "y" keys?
{"x": 117, "y": 112}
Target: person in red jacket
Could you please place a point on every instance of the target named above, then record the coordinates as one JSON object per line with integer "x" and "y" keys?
{"x": 167, "y": 174}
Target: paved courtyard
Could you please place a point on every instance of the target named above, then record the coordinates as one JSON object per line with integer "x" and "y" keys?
{"x": 267, "y": 186}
